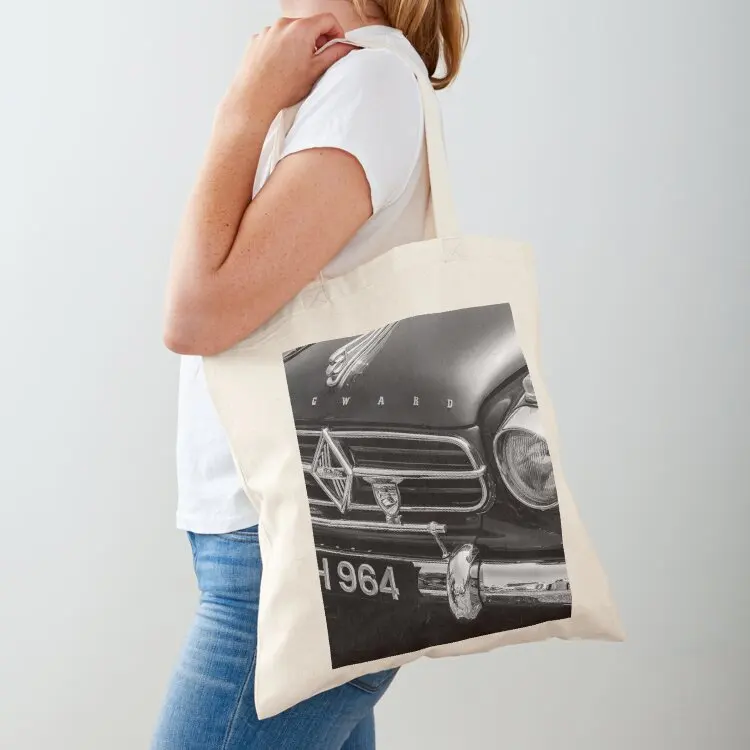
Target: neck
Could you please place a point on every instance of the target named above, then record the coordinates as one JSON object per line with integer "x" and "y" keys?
{"x": 343, "y": 10}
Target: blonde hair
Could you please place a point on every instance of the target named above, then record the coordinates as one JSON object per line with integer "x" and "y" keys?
{"x": 438, "y": 30}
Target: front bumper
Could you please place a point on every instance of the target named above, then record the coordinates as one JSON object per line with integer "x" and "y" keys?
{"x": 469, "y": 584}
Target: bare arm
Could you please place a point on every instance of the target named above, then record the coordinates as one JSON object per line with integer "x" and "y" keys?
{"x": 237, "y": 262}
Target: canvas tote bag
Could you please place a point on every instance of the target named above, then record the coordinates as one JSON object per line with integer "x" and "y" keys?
{"x": 393, "y": 430}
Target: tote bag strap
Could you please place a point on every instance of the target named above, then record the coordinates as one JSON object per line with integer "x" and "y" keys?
{"x": 443, "y": 208}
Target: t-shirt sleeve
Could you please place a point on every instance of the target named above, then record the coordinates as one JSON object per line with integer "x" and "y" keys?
{"x": 367, "y": 104}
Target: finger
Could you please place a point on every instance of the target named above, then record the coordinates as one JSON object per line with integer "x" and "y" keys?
{"x": 323, "y": 25}
{"x": 333, "y": 54}
{"x": 255, "y": 37}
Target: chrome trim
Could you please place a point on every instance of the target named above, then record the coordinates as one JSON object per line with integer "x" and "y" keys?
{"x": 340, "y": 475}
{"x": 498, "y": 583}
{"x": 542, "y": 582}
{"x": 478, "y": 469}
{"x": 436, "y": 536}
{"x": 354, "y": 356}
{"x": 528, "y": 390}
{"x": 517, "y": 583}
{"x": 341, "y": 523}
{"x": 524, "y": 418}
{"x": 371, "y": 474}
{"x": 388, "y": 498}
{"x": 462, "y": 583}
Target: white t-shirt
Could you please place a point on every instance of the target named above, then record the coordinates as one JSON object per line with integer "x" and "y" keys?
{"x": 369, "y": 105}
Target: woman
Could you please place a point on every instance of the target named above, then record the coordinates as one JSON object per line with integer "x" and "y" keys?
{"x": 349, "y": 183}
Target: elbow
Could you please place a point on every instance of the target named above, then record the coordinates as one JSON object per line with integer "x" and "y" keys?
{"x": 178, "y": 341}
{"x": 206, "y": 324}
{"x": 187, "y": 340}
{"x": 188, "y": 330}
{"x": 179, "y": 338}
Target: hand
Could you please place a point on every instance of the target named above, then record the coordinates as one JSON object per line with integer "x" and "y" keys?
{"x": 280, "y": 65}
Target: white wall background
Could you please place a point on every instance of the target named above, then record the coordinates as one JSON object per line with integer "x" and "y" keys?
{"x": 613, "y": 136}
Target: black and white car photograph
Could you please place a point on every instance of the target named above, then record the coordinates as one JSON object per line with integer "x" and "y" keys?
{"x": 431, "y": 489}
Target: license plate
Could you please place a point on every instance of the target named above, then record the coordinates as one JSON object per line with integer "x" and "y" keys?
{"x": 369, "y": 579}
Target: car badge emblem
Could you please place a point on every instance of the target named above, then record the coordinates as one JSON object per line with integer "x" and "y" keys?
{"x": 388, "y": 498}
{"x": 354, "y": 356}
{"x": 332, "y": 471}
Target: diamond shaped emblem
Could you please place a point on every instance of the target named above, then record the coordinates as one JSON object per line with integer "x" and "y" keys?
{"x": 332, "y": 471}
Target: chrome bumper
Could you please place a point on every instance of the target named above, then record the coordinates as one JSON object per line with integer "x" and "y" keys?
{"x": 470, "y": 584}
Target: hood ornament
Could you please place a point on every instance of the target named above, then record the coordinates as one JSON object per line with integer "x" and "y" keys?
{"x": 354, "y": 356}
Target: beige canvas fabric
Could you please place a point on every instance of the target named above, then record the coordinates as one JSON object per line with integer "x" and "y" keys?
{"x": 249, "y": 387}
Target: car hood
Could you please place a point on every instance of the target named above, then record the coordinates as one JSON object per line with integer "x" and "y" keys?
{"x": 430, "y": 371}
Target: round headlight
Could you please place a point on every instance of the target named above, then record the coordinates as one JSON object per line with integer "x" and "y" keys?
{"x": 526, "y": 467}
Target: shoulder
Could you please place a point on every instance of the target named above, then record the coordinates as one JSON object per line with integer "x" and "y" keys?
{"x": 368, "y": 104}
{"x": 371, "y": 70}
{"x": 372, "y": 84}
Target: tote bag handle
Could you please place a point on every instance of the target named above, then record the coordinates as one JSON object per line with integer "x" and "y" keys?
{"x": 443, "y": 207}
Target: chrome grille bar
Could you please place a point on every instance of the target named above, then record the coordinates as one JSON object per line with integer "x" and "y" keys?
{"x": 475, "y": 471}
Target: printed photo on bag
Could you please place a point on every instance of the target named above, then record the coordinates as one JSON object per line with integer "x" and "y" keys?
{"x": 432, "y": 496}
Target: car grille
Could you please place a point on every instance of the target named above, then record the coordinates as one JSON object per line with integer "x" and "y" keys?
{"x": 438, "y": 473}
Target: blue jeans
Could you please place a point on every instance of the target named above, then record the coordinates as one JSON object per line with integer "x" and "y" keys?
{"x": 210, "y": 703}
